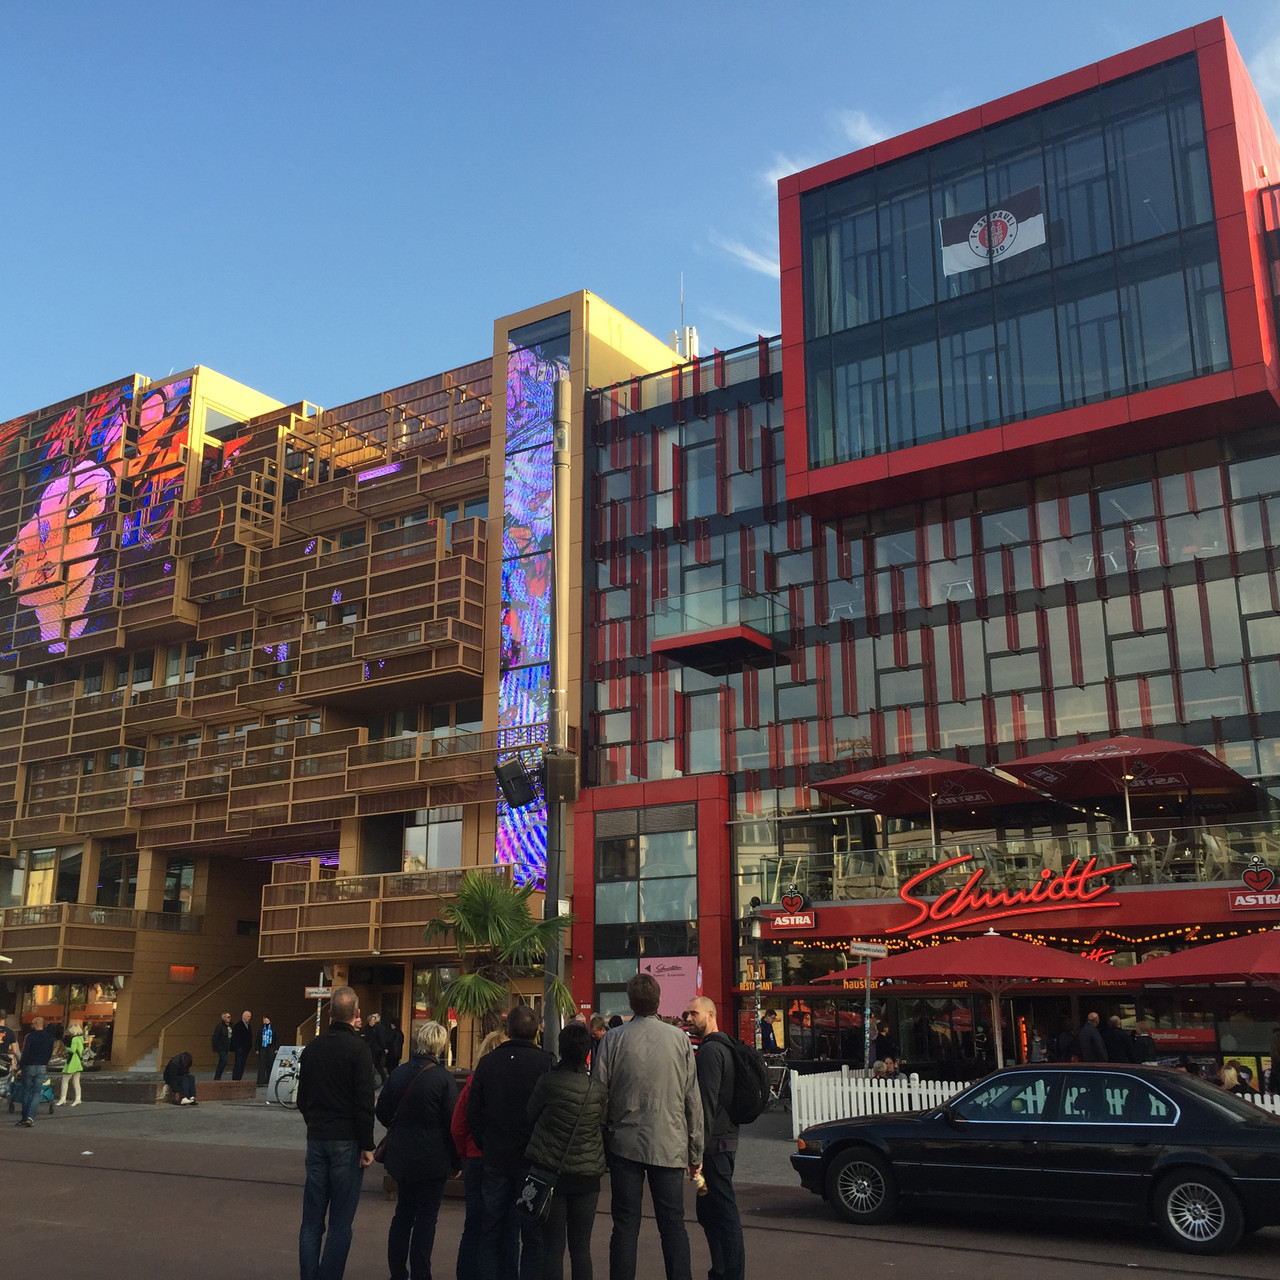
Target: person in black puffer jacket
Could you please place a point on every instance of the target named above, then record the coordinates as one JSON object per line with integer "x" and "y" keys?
{"x": 567, "y": 1112}
{"x": 416, "y": 1106}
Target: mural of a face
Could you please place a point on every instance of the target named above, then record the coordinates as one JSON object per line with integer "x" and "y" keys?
{"x": 51, "y": 562}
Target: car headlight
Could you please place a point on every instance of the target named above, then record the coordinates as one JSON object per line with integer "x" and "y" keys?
{"x": 809, "y": 1146}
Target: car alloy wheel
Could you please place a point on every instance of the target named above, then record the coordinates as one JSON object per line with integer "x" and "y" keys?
{"x": 1198, "y": 1212}
{"x": 862, "y": 1188}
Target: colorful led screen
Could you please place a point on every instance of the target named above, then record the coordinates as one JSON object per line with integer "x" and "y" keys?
{"x": 93, "y": 481}
{"x": 523, "y": 692}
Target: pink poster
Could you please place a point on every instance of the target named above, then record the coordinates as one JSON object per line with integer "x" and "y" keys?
{"x": 678, "y": 978}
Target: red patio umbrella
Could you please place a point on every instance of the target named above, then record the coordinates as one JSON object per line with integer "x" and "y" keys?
{"x": 1124, "y": 765}
{"x": 936, "y": 785}
{"x": 990, "y": 961}
{"x": 1252, "y": 958}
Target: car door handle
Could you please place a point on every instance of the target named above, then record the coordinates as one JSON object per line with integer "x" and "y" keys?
{"x": 1030, "y": 1142}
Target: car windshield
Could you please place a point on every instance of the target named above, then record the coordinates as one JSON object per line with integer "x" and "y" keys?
{"x": 1225, "y": 1103}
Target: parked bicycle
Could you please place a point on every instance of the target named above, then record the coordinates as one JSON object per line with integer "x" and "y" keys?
{"x": 285, "y": 1089}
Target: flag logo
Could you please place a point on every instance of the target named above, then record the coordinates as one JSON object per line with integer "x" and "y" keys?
{"x": 972, "y": 240}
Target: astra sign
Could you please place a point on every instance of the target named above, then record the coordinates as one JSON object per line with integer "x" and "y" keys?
{"x": 1070, "y": 890}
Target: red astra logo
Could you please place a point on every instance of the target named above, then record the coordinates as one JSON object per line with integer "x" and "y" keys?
{"x": 1068, "y": 890}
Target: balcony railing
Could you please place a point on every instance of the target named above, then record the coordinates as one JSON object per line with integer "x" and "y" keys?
{"x": 1165, "y": 856}
{"x": 731, "y": 606}
{"x": 353, "y": 915}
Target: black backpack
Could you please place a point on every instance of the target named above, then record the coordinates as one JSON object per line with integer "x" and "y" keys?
{"x": 749, "y": 1095}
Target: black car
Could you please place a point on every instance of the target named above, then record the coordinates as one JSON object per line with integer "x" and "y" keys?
{"x": 1133, "y": 1144}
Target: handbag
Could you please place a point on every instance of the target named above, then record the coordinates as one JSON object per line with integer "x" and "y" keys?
{"x": 380, "y": 1151}
{"x": 533, "y": 1200}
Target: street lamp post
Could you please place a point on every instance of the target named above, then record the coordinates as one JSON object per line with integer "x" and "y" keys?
{"x": 754, "y": 928}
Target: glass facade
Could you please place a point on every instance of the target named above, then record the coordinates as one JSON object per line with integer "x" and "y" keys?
{"x": 1059, "y": 258}
{"x": 1133, "y": 596}
{"x": 646, "y": 894}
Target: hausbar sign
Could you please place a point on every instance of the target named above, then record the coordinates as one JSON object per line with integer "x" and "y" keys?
{"x": 1079, "y": 886}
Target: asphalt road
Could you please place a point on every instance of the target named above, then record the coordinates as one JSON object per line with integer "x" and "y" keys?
{"x": 111, "y": 1191}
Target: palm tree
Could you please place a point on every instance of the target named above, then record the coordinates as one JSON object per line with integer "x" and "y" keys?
{"x": 498, "y": 941}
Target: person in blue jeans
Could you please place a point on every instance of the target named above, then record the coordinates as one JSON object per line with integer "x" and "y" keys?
{"x": 653, "y": 1131}
{"x": 717, "y": 1206}
{"x": 496, "y": 1115}
{"x": 37, "y": 1049}
{"x": 335, "y": 1097}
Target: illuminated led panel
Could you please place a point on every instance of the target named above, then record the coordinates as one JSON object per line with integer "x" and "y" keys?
{"x": 523, "y": 691}
{"x": 57, "y": 558}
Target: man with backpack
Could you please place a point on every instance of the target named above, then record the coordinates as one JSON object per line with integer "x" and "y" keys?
{"x": 718, "y": 1083}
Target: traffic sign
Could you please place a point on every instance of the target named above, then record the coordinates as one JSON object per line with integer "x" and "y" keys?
{"x": 879, "y": 949}
{"x": 317, "y": 993}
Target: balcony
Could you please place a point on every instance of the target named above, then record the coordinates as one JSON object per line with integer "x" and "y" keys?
{"x": 309, "y": 912}
{"x": 68, "y": 937}
{"x": 718, "y": 630}
{"x": 1167, "y": 856}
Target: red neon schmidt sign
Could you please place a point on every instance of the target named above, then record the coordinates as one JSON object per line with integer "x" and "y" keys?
{"x": 1067, "y": 890}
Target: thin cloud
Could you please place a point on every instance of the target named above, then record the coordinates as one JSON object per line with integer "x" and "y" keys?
{"x": 764, "y": 264}
{"x": 1265, "y": 71}
{"x": 860, "y": 128}
{"x": 782, "y": 167}
{"x": 738, "y": 325}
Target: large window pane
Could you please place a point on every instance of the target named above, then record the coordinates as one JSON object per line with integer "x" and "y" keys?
{"x": 1089, "y": 347}
{"x": 859, "y": 395}
{"x": 667, "y": 853}
{"x": 970, "y": 394}
{"x": 908, "y": 234}
{"x": 617, "y": 903}
{"x": 1153, "y": 308}
{"x": 913, "y": 393}
{"x": 1027, "y": 344}
{"x": 671, "y": 899}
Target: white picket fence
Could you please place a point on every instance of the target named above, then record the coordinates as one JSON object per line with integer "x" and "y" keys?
{"x": 840, "y": 1095}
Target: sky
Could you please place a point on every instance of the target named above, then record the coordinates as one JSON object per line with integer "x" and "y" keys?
{"x": 326, "y": 199}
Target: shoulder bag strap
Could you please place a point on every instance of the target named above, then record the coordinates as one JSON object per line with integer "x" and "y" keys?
{"x": 404, "y": 1096}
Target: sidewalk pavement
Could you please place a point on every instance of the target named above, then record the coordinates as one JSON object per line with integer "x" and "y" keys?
{"x": 763, "y": 1152}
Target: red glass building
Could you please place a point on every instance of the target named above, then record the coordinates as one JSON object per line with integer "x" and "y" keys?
{"x": 1008, "y": 481}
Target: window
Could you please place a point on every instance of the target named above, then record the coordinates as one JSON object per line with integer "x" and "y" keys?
{"x": 1104, "y": 1098}
{"x": 1020, "y": 1097}
{"x": 1123, "y": 293}
{"x": 117, "y": 880}
{"x": 179, "y": 884}
{"x": 435, "y": 844}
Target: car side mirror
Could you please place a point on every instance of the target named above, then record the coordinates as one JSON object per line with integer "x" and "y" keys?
{"x": 951, "y": 1118}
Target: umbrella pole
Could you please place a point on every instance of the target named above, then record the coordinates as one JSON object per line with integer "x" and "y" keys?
{"x": 933, "y": 825}
{"x": 1128, "y": 813}
{"x": 997, "y": 1029}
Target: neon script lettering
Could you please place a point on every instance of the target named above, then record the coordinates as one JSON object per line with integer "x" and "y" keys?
{"x": 971, "y": 904}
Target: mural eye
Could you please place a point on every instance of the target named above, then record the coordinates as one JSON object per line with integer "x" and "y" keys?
{"x": 79, "y": 503}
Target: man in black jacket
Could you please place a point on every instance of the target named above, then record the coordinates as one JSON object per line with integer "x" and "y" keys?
{"x": 221, "y": 1043}
{"x": 496, "y": 1115}
{"x": 1119, "y": 1043}
{"x": 241, "y": 1044}
{"x": 718, "y": 1208}
{"x": 335, "y": 1097}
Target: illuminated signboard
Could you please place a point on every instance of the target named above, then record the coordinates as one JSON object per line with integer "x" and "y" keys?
{"x": 534, "y": 366}
{"x": 103, "y": 474}
{"x": 968, "y": 904}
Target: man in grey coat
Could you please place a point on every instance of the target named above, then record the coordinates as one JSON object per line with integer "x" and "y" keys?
{"x": 653, "y": 1129}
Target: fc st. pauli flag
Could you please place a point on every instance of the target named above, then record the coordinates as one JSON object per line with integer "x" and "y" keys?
{"x": 972, "y": 240}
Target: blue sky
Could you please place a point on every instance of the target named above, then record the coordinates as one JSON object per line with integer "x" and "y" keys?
{"x": 325, "y": 199}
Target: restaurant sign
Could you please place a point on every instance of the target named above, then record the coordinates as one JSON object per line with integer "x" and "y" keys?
{"x": 1259, "y": 892}
{"x": 1078, "y": 887}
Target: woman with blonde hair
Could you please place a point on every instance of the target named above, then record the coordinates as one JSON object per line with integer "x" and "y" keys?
{"x": 469, "y": 1244}
{"x": 71, "y": 1072}
{"x": 416, "y": 1106}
